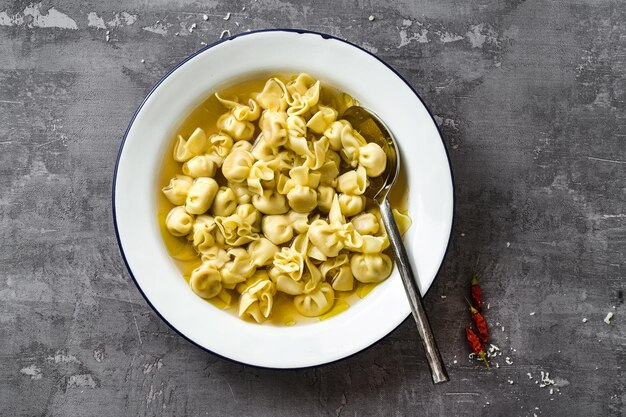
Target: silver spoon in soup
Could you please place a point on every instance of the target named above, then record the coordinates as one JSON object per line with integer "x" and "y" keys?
{"x": 374, "y": 130}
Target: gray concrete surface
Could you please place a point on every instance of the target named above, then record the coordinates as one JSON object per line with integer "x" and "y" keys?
{"x": 531, "y": 98}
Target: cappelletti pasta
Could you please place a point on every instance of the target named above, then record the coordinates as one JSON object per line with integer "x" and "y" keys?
{"x": 268, "y": 202}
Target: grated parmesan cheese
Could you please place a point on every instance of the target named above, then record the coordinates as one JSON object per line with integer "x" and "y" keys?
{"x": 608, "y": 317}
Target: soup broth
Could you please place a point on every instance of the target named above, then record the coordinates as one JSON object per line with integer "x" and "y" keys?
{"x": 205, "y": 116}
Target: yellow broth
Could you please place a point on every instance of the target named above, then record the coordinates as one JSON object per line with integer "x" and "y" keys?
{"x": 205, "y": 116}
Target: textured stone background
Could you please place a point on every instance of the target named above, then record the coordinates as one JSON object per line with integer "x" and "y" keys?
{"x": 531, "y": 98}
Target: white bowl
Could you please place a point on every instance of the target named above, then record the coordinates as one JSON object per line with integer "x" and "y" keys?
{"x": 336, "y": 62}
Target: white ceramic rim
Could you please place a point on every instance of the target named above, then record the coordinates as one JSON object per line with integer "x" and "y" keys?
{"x": 378, "y": 87}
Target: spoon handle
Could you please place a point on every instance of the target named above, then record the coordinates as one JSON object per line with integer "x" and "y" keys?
{"x": 409, "y": 279}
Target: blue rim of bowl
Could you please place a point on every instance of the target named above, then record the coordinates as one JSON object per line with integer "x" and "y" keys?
{"x": 132, "y": 120}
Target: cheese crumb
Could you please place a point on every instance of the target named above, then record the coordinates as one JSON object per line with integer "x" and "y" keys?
{"x": 530, "y": 376}
{"x": 546, "y": 380}
{"x": 371, "y": 18}
{"x": 192, "y": 27}
{"x": 243, "y": 9}
{"x": 444, "y": 297}
{"x": 585, "y": 320}
{"x": 508, "y": 361}
{"x": 608, "y": 317}
{"x": 143, "y": 60}
{"x": 454, "y": 362}
{"x": 237, "y": 23}
{"x": 532, "y": 313}
{"x": 205, "y": 17}
{"x": 510, "y": 381}
{"x": 508, "y": 244}
{"x": 224, "y": 33}
{"x": 227, "y": 16}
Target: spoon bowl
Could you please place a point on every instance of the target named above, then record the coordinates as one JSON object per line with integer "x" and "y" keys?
{"x": 374, "y": 130}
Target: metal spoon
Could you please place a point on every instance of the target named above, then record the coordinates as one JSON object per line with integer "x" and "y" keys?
{"x": 374, "y": 130}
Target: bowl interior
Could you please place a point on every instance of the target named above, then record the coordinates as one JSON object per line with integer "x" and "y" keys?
{"x": 335, "y": 62}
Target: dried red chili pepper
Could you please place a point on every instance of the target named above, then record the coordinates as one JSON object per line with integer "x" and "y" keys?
{"x": 475, "y": 344}
{"x": 479, "y": 322}
{"x": 475, "y": 291}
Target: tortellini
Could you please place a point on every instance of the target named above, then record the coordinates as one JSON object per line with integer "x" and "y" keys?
{"x": 260, "y": 174}
{"x": 338, "y": 272}
{"x": 237, "y": 129}
{"x": 373, "y": 159}
{"x": 200, "y": 166}
{"x": 203, "y": 235}
{"x": 225, "y": 202}
{"x": 218, "y": 147}
{"x": 315, "y": 302}
{"x": 242, "y": 112}
{"x": 178, "y": 221}
{"x": 351, "y": 204}
{"x": 322, "y": 120}
{"x": 238, "y": 269}
{"x": 269, "y": 202}
{"x": 185, "y": 149}
{"x": 206, "y": 281}
{"x": 300, "y": 189}
{"x": 274, "y": 127}
{"x": 274, "y": 95}
{"x": 277, "y": 228}
{"x": 237, "y": 165}
{"x": 200, "y": 195}
{"x": 366, "y": 223}
{"x": 262, "y": 252}
{"x": 353, "y": 182}
{"x": 371, "y": 267}
{"x": 257, "y": 300}
{"x": 240, "y": 227}
{"x": 304, "y": 93}
{"x": 176, "y": 191}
